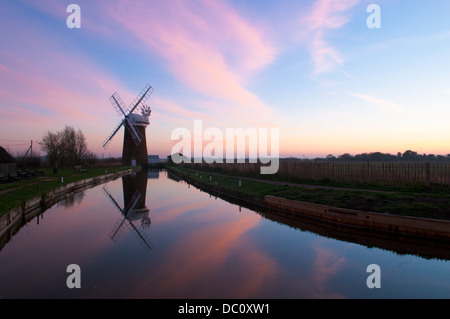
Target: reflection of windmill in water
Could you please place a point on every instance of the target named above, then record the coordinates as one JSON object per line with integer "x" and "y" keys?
{"x": 134, "y": 193}
{"x": 134, "y": 141}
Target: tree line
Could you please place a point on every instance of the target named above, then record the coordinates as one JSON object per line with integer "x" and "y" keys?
{"x": 408, "y": 156}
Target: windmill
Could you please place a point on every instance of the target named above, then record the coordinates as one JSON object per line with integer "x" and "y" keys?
{"x": 134, "y": 141}
{"x": 130, "y": 213}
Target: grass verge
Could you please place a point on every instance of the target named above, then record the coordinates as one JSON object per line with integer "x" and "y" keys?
{"x": 421, "y": 204}
{"x": 14, "y": 194}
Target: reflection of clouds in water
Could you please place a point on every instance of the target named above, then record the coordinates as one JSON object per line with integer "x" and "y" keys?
{"x": 327, "y": 264}
{"x": 70, "y": 201}
{"x": 177, "y": 209}
{"x": 212, "y": 262}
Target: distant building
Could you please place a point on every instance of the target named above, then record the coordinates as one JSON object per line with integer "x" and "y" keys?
{"x": 8, "y": 165}
{"x": 153, "y": 159}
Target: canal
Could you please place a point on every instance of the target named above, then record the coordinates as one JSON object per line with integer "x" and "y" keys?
{"x": 152, "y": 235}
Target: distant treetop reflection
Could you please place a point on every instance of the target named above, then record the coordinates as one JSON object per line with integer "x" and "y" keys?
{"x": 72, "y": 199}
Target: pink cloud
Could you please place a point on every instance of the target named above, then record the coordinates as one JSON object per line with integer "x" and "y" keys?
{"x": 45, "y": 95}
{"x": 207, "y": 46}
{"x": 326, "y": 265}
{"x": 324, "y": 16}
{"x": 41, "y": 92}
{"x": 204, "y": 255}
{"x": 173, "y": 109}
{"x": 329, "y": 14}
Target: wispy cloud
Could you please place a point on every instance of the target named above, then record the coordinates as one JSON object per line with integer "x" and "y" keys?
{"x": 324, "y": 16}
{"x": 209, "y": 46}
{"x": 44, "y": 86}
{"x": 326, "y": 266}
{"x": 380, "y": 103}
{"x": 206, "y": 45}
{"x": 172, "y": 109}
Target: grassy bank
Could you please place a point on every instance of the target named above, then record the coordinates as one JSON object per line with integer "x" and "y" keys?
{"x": 399, "y": 176}
{"x": 326, "y": 181}
{"x": 14, "y": 194}
{"x": 421, "y": 204}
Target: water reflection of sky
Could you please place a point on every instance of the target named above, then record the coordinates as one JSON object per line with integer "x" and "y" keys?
{"x": 202, "y": 247}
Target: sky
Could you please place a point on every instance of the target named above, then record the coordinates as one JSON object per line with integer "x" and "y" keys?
{"x": 313, "y": 69}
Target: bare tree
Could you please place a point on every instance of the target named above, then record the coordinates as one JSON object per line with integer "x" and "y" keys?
{"x": 51, "y": 144}
{"x": 81, "y": 149}
{"x": 65, "y": 148}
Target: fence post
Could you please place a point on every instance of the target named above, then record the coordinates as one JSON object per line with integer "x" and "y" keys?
{"x": 428, "y": 173}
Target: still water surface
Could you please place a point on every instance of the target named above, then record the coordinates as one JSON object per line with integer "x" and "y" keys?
{"x": 179, "y": 242}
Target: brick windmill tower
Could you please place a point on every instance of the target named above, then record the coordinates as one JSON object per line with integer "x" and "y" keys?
{"x": 134, "y": 142}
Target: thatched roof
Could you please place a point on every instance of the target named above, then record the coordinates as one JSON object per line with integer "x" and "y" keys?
{"x": 5, "y": 157}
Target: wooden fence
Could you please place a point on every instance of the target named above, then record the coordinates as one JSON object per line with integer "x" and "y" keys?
{"x": 388, "y": 174}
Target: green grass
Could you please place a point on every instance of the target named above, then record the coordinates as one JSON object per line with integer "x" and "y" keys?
{"x": 418, "y": 188}
{"x": 421, "y": 204}
{"x": 26, "y": 189}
